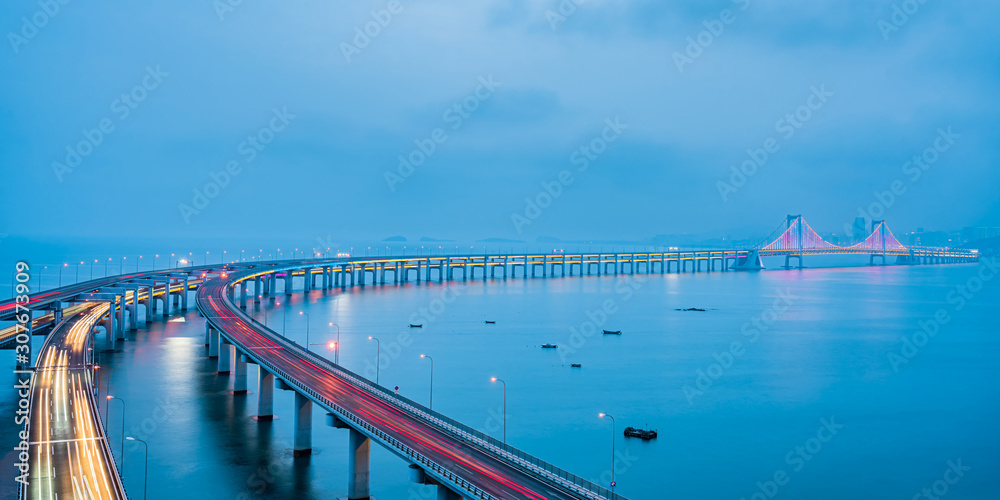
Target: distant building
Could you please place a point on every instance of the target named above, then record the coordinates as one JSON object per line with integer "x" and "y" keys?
{"x": 979, "y": 233}
{"x": 859, "y": 231}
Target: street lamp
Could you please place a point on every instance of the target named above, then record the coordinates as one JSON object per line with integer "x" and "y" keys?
{"x": 307, "y": 327}
{"x": 494, "y": 380}
{"x": 121, "y": 266}
{"x": 137, "y": 263}
{"x": 92, "y": 269}
{"x": 336, "y": 355}
{"x": 77, "y": 280}
{"x": 378, "y": 356}
{"x": 106, "y": 403}
{"x": 431, "y": 407}
{"x": 613, "y": 484}
{"x": 60, "y": 272}
{"x": 106, "y": 267}
{"x": 145, "y": 476}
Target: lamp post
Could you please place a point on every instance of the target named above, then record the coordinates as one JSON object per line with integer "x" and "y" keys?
{"x": 106, "y": 403}
{"x": 336, "y": 355}
{"x": 137, "y": 263}
{"x": 613, "y": 484}
{"x": 92, "y": 269}
{"x": 60, "y": 272}
{"x": 307, "y": 327}
{"x": 378, "y": 356}
{"x": 77, "y": 280}
{"x": 494, "y": 379}
{"x": 145, "y": 476}
{"x": 121, "y": 266}
{"x": 106, "y": 267}
{"x": 431, "y": 406}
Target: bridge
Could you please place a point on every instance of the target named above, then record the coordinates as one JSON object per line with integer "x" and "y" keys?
{"x": 461, "y": 461}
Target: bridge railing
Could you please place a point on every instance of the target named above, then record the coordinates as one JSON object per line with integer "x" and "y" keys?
{"x": 509, "y": 454}
{"x": 343, "y": 412}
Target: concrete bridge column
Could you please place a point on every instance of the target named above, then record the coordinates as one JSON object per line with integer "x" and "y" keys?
{"x": 166, "y": 298}
{"x": 184, "y": 295}
{"x": 257, "y": 289}
{"x": 119, "y": 317}
{"x": 265, "y": 394}
{"x": 303, "y": 425}
{"x": 213, "y": 342}
{"x": 208, "y": 333}
{"x": 225, "y": 352}
{"x": 428, "y": 267}
{"x": 358, "y": 466}
{"x": 288, "y": 282}
{"x": 243, "y": 295}
{"x": 326, "y": 277}
{"x": 240, "y": 377}
{"x": 109, "y": 329}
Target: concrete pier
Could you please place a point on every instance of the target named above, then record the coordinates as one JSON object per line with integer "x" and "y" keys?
{"x": 303, "y": 425}
{"x": 358, "y": 466}
{"x": 265, "y": 394}
{"x": 240, "y": 376}
{"x": 213, "y": 343}
{"x": 225, "y": 352}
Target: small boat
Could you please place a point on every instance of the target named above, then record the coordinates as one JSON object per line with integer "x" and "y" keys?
{"x": 576, "y": 365}
{"x": 416, "y": 326}
{"x": 549, "y": 346}
{"x": 643, "y": 434}
{"x": 698, "y": 309}
{"x": 615, "y": 332}
{"x": 488, "y": 322}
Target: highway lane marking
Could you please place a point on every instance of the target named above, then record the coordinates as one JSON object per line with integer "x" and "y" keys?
{"x": 66, "y": 440}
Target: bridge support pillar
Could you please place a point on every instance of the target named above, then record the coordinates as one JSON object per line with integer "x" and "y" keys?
{"x": 166, "y": 299}
{"x": 265, "y": 394}
{"x": 184, "y": 295}
{"x": 243, "y": 294}
{"x": 225, "y": 352}
{"x": 303, "y": 425}
{"x": 213, "y": 342}
{"x": 288, "y": 282}
{"x": 358, "y": 466}
{"x": 240, "y": 376}
{"x": 120, "y": 317}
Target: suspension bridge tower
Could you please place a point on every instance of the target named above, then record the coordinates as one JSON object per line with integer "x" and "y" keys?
{"x": 795, "y": 226}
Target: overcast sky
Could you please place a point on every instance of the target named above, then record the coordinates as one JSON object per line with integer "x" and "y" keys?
{"x": 688, "y": 89}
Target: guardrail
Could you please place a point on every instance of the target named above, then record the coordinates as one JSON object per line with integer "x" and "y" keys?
{"x": 507, "y": 453}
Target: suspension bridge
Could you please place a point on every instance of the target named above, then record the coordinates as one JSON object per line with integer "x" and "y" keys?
{"x": 795, "y": 239}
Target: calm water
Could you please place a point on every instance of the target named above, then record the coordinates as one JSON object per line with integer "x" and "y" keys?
{"x": 817, "y": 359}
